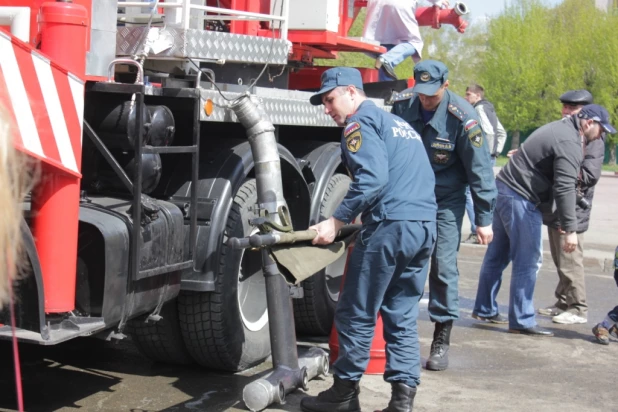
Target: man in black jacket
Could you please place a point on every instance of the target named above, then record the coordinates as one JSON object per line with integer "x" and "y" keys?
{"x": 571, "y": 306}
{"x": 547, "y": 166}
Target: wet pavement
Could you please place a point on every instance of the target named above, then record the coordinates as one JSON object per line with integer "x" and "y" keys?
{"x": 489, "y": 368}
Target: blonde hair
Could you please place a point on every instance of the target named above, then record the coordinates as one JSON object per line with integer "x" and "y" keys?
{"x": 15, "y": 176}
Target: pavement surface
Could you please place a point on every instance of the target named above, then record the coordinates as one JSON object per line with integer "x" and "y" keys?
{"x": 490, "y": 369}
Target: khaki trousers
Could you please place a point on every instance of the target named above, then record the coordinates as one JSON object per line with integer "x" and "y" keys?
{"x": 571, "y": 289}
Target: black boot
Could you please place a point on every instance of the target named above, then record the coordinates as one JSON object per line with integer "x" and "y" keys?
{"x": 438, "y": 358}
{"x": 402, "y": 398}
{"x": 341, "y": 397}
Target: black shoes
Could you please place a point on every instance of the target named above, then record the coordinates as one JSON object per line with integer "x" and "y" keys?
{"x": 341, "y": 397}
{"x": 493, "y": 319}
{"x": 533, "y": 331}
{"x": 386, "y": 66}
{"x": 438, "y": 358}
{"x": 402, "y": 398}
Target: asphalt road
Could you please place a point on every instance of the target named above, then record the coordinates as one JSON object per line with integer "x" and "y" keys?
{"x": 489, "y": 368}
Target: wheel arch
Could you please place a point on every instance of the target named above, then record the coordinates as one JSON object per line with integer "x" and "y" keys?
{"x": 324, "y": 162}
{"x": 222, "y": 173}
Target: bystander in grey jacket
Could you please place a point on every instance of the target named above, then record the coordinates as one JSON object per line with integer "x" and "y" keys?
{"x": 547, "y": 169}
{"x": 588, "y": 178}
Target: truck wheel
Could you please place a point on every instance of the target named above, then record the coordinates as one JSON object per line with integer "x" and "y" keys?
{"x": 228, "y": 329}
{"x": 314, "y": 313}
{"x": 160, "y": 341}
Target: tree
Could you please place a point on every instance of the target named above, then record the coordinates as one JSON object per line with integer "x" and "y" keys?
{"x": 536, "y": 53}
{"x": 462, "y": 54}
{"x": 516, "y": 66}
{"x": 525, "y": 58}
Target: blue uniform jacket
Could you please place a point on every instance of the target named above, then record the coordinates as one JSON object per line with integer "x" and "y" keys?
{"x": 457, "y": 149}
{"x": 391, "y": 175}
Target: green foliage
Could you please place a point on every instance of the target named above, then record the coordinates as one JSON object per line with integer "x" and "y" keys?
{"x": 463, "y": 54}
{"x": 525, "y": 58}
{"x": 503, "y": 160}
{"x": 441, "y": 44}
{"x": 536, "y": 53}
{"x": 351, "y": 59}
{"x": 517, "y": 66}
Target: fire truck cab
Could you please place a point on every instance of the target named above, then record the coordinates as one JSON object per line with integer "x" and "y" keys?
{"x": 145, "y": 172}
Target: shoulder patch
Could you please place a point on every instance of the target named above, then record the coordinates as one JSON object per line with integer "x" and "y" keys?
{"x": 475, "y": 136}
{"x": 456, "y": 111}
{"x": 402, "y": 95}
{"x": 351, "y": 128}
{"x": 354, "y": 141}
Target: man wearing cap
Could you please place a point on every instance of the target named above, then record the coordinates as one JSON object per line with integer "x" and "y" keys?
{"x": 571, "y": 306}
{"x": 459, "y": 156}
{"x": 495, "y": 135}
{"x": 545, "y": 167}
{"x": 392, "y": 189}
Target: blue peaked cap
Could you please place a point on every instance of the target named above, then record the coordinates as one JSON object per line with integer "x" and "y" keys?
{"x": 335, "y": 77}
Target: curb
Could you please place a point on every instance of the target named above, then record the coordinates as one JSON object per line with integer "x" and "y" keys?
{"x": 607, "y": 173}
{"x": 602, "y": 264}
{"x": 604, "y": 173}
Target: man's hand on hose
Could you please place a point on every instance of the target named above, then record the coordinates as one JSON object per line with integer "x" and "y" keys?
{"x": 443, "y": 4}
{"x": 484, "y": 234}
{"x": 570, "y": 242}
{"x": 327, "y": 231}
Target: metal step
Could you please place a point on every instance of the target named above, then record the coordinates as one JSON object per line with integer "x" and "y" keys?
{"x": 69, "y": 328}
{"x": 176, "y": 43}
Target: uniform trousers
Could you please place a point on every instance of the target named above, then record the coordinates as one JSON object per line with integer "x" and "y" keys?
{"x": 386, "y": 274}
{"x": 444, "y": 274}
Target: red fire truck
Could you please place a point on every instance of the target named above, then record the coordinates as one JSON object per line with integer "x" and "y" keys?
{"x": 146, "y": 172}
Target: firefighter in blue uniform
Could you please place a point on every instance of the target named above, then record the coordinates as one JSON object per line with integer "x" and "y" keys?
{"x": 392, "y": 189}
{"x": 459, "y": 155}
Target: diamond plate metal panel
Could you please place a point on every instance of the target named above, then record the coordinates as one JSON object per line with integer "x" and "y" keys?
{"x": 207, "y": 45}
{"x": 284, "y": 107}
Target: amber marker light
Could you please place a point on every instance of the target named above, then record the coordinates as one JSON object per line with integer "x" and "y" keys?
{"x": 208, "y": 107}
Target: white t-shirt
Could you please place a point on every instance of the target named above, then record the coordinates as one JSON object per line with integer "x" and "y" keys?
{"x": 394, "y": 22}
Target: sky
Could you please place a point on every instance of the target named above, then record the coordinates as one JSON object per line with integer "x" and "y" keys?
{"x": 489, "y": 8}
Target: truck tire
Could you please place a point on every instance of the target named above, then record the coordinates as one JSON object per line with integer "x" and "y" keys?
{"x": 228, "y": 329}
{"x": 313, "y": 314}
{"x": 160, "y": 341}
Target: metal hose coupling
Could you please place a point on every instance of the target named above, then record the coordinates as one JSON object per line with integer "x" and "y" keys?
{"x": 261, "y": 393}
{"x": 260, "y": 132}
{"x": 461, "y": 9}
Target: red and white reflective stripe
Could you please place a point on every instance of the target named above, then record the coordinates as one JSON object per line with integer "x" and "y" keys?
{"x": 46, "y": 104}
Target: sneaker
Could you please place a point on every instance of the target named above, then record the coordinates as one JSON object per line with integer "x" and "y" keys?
{"x": 614, "y": 331}
{"x": 601, "y": 334}
{"x": 388, "y": 68}
{"x": 550, "y": 311}
{"x": 472, "y": 239}
{"x": 569, "y": 318}
{"x": 493, "y": 319}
